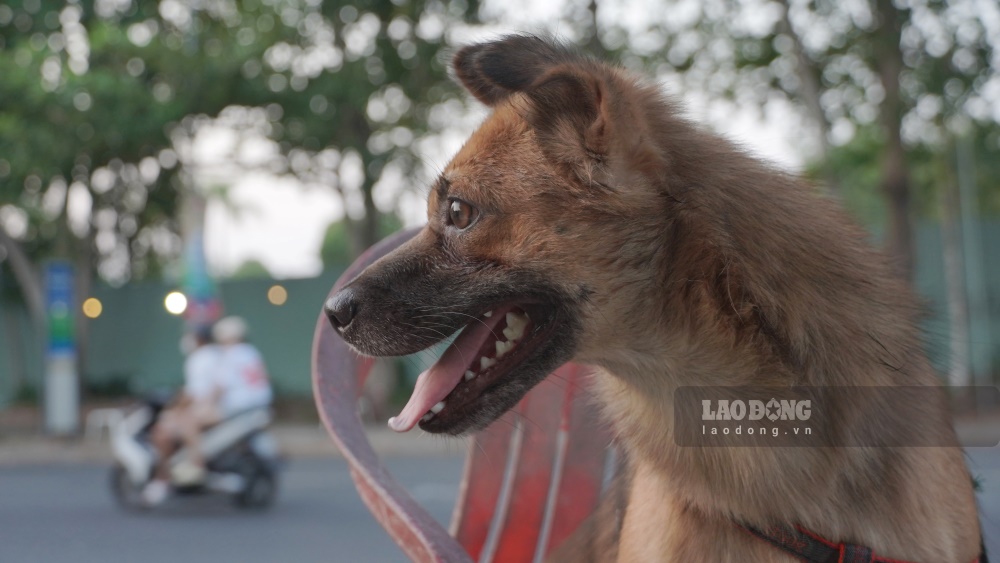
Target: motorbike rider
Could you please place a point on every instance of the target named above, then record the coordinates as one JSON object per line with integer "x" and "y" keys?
{"x": 193, "y": 410}
{"x": 221, "y": 379}
{"x": 243, "y": 375}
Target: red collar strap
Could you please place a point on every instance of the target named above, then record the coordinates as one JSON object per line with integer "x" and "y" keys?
{"x": 810, "y": 547}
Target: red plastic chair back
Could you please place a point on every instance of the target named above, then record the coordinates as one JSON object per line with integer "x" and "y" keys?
{"x": 530, "y": 478}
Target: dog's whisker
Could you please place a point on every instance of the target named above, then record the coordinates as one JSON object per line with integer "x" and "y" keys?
{"x": 425, "y": 328}
{"x": 476, "y": 319}
{"x": 416, "y": 362}
{"x": 429, "y": 315}
{"x": 438, "y": 325}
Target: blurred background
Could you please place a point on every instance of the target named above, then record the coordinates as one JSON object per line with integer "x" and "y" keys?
{"x": 241, "y": 153}
{"x": 166, "y": 162}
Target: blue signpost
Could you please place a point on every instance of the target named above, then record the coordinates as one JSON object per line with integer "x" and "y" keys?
{"x": 204, "y": 307}
{"x": 62, "y": 390}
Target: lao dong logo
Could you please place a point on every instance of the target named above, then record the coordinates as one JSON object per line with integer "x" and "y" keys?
{"x": 773, "y": 410}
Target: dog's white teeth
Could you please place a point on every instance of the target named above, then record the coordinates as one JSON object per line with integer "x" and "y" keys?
{"x": 516, "y": 323}
{"x": 503, "y": 348}
{"x": 469, "y": 375}
{"x": 485, "y": 363}
{"x": 437, "y": 408}
{"x": 488, "y": 314}
{"x": 427, "y": 417}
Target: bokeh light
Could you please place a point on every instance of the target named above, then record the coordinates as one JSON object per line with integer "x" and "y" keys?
{"x": 92, "y": 308}
{"x": 277, "y": 295}
{"x": 175, "y": 303}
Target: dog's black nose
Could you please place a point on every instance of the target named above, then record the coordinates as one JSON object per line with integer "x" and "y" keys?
{"x": 341, "y": 308}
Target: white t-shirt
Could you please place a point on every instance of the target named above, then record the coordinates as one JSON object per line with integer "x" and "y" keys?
{"x": 243, "y": 378}
{"x": 201, "y": 372}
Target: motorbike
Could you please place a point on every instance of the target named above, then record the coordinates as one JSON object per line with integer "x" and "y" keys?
{"x": 241, "y": 458}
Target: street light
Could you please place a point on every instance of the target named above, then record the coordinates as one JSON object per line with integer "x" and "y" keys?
{"x": 175, "y": 303}
{"x": 277, "y": 295}
{"x": 92, "y": 308}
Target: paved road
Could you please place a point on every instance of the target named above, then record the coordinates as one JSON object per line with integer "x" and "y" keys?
{"x": 64, "y": 513}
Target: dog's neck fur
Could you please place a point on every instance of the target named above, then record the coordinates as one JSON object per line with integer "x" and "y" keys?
{"x": 763, "y": 283}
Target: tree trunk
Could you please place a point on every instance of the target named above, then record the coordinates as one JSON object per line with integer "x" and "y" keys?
{"x": 28, "y": 278}
{"x": 895, "y": 177}
{"x": 896, "y": 188}
{"x": 594, "y": 44}
{"x": 981, "y": 359}
{"x": 809, "y": 94}
{"x": 364, "y": 232}
{"x": 83, "y": 281}
{"x": 15, "y": 347}
{"x": 368, "y": 228}
{"x": 959, "y": 373}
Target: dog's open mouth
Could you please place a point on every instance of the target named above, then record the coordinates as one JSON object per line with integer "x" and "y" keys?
{"x": 486, "y": 351}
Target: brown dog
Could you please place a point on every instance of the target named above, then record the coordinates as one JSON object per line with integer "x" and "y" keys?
{"x": 586, "y": 220}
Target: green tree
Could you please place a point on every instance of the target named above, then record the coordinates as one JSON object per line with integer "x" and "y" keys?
{"x": 99, "y": 103}
{"x": 897, "y": 69}
{"x": 336, "y": 249}
{"x": 251, "y": 269}
{"x": 96, "y": 97}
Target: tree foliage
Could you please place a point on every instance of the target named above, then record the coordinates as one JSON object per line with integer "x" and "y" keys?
{"x": 100, "y": 100}
{"x": 336, "y": 251}
{"x": 905, "y": 74}
{"x": 250, "y": 269}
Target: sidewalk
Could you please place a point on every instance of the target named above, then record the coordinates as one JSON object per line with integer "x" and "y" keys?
{"x": 20, "y": 446}
{"x": 296, "y": 441}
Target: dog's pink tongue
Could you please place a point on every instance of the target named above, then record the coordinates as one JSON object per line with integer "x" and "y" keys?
{"x": 434, "y": 384}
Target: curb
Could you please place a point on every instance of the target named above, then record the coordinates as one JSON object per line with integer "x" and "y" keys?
{"x": 296, "y": 442}
{"x": 312, "y": 442}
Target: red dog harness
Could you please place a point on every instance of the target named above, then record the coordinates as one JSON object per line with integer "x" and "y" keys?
{"x": 810, "y": 547}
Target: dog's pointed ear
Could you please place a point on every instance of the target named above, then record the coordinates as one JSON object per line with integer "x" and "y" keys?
{"x": 568, "y": 109}
{"x": 493, "y": 71}
{"x": 583, "y": 112}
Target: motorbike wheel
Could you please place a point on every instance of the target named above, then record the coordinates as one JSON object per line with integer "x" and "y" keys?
{"x": 260, "y": 489}
{"x": 127, "y": 494}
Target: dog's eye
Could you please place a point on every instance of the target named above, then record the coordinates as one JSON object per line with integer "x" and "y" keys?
{"x": 461, "y": 214}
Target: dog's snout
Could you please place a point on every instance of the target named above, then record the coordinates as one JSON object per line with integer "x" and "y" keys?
{"x": 341, "y": 308}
